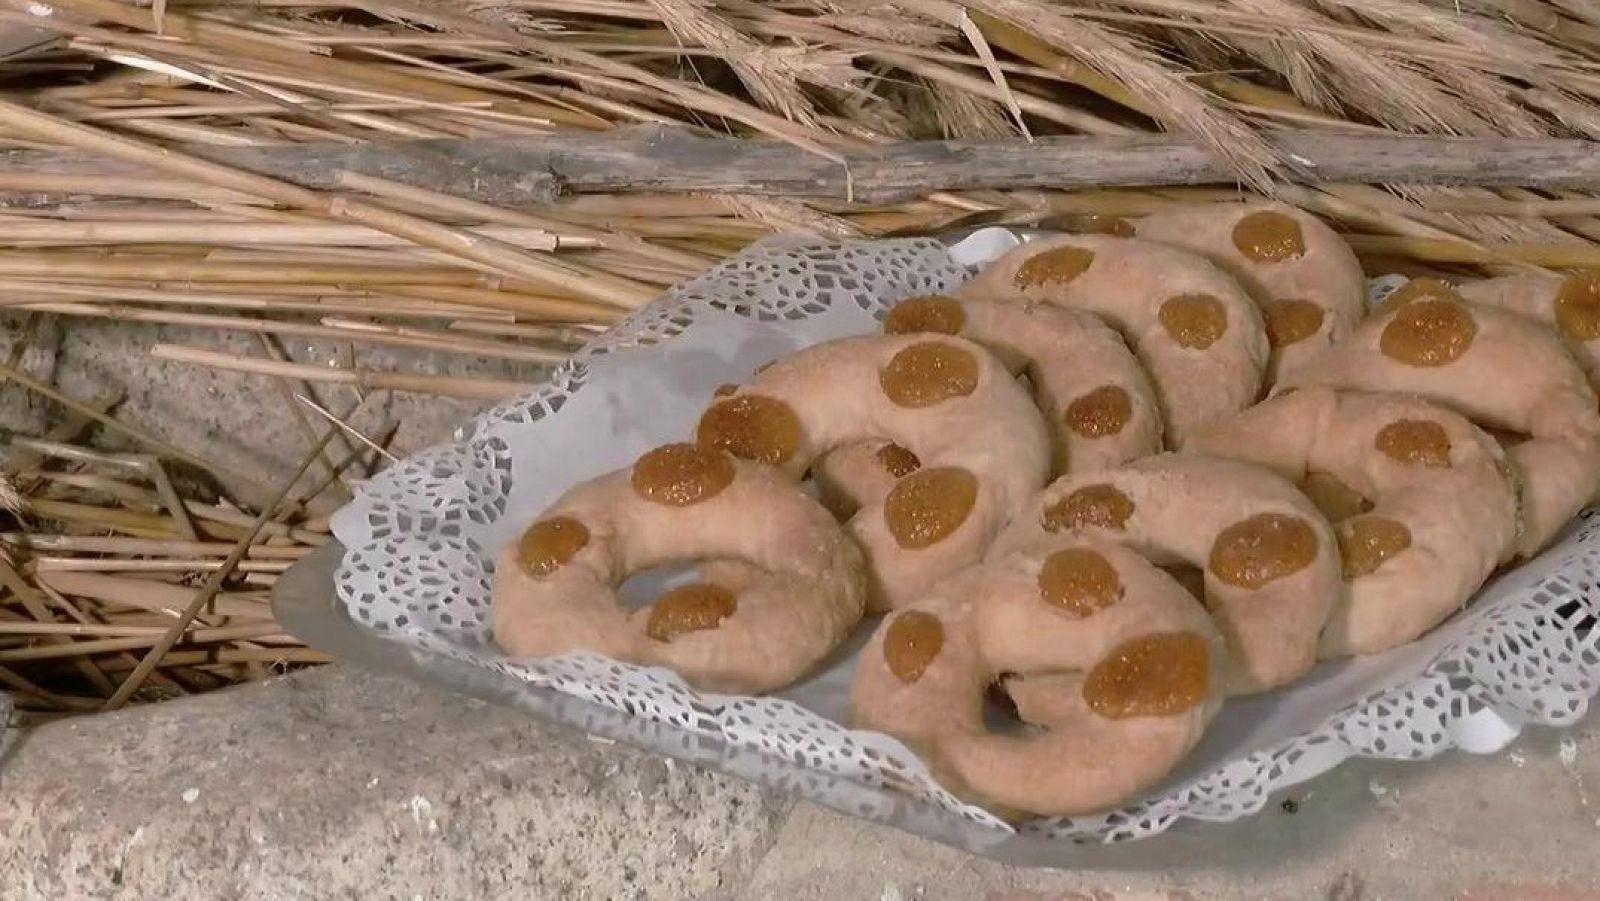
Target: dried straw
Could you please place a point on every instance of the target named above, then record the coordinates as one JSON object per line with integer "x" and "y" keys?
{"x": 114, "y": 205}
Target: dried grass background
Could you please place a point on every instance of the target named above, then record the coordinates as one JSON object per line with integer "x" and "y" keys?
{"x": 101, "y": 554}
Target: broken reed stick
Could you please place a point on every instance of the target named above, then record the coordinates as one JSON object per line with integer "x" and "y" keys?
{"x": 254, "y": 631}
{"x": 82, "y": 564}
{"x": 346, "y": 427}
{"x": 450, "y": 204}
{"x": 231, "y": 655}
{"x": 93, "y": 544}
{"x": 449, "y": 386}
{"x": 149, "y": 595}
{"x": 51, "y": 232}
{"x": 414, "y": 338}
{"x": 213, "y": 585}
{"x": 227, "y": 522}
{"x": 22, "y": 293}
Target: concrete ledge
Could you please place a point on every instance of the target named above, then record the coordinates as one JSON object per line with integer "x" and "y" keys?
{"x": 338, "y": 784}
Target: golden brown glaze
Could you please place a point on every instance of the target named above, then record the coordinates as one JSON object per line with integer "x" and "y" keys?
{"x": 751, "y": 427}
{"x": 1195, "y": 321}
{"x": 1578, "y": 306}
{"x": 1428, "y": 333}
{"x": 1262, "y": 549}
{"x": 924, "y": 374}
{"x": 1421, "y": 289}
{"x": 1366, "y": 541}
{"x": 1088, "y": 224}
{"x": 1332, "y": 496}
{"x": 1269, "y": 237}
{"x": 1155, "y": 675}
{"x": 913, "y": 641}
{"x": 1291, "y": 321}
{"x": 933, "y": 313}
{"x": 689, "y": 608}
{"x": 550, "y": 543}
{"x": 897, "y": 461}
{"x": 1421, "y": 442}
{"x": 680, "y": 475}
{"x": 1053, "y": 267}
{"x": 1101, "y": 412}
{"x": 928, "y": 505}
{"x": 1099, "y": 506}
{"x": 1079, "y": 582}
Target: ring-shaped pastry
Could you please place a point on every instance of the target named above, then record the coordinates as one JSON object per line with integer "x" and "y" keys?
{"x": 1305, "y": 278}
{"x": 1113, "y": 665}
{"x": 1417, "y": 496}
{"x": 1096, "y": 398}
{"x": 1500, "y": 370}
{"x": 1194, "y": 328}
{"x": 1268, "y": 557}
{"x": 783, "y": 586}
{"x": 1569, "y": 304}
{"x": 980, "y": 443}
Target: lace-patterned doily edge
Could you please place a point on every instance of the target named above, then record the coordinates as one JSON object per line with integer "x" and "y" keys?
{"x": 1478, "y": 714}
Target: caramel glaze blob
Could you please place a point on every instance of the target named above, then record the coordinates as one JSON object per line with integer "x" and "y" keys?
{"x": 1095, "y": 397}
{"x": 1115, "y": 667}
{"x": 1304, "y": 277}
{"x": 1433, "y": 512}
{"x": 1194, "y": 328}
{"x": 1569, "y": 304}
{"x": 1502, "y": 370}
{"x": 780, "y": 591}
{"x": 1269, "y": 557}
{"x": 978, "y": 444}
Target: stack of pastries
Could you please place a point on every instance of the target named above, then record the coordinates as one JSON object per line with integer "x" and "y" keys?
{"x": 1112, "y": 481}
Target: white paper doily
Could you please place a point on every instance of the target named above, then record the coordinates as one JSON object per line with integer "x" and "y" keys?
{"x": 422, "y": 535}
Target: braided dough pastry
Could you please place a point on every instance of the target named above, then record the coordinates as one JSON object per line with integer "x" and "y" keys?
{"x": 1117, "y": 669}
{"x": 1270, "y": 561}
{"x": 1095, "y": 396}
{"x": 1420, "y": 506}
{"x": 783, "y": 589}
{"x": 1570, "y": 305}
{"x": 1305, "y": 278}
{"x": 1497, "y": 368}
{"x": 1193, "y": 327}
{"x": 980, "y": 443}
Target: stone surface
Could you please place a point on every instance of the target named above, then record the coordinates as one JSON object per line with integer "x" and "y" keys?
{"x": 338, "y": 784}
{"x": 334, "y": 784}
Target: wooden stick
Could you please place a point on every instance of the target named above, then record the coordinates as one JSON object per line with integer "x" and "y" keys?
{"x": 659, "y": 160}
{"x": 450, "y": 386}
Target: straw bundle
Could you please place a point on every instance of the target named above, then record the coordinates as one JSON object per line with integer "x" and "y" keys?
{"x": 469, "y": 177}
